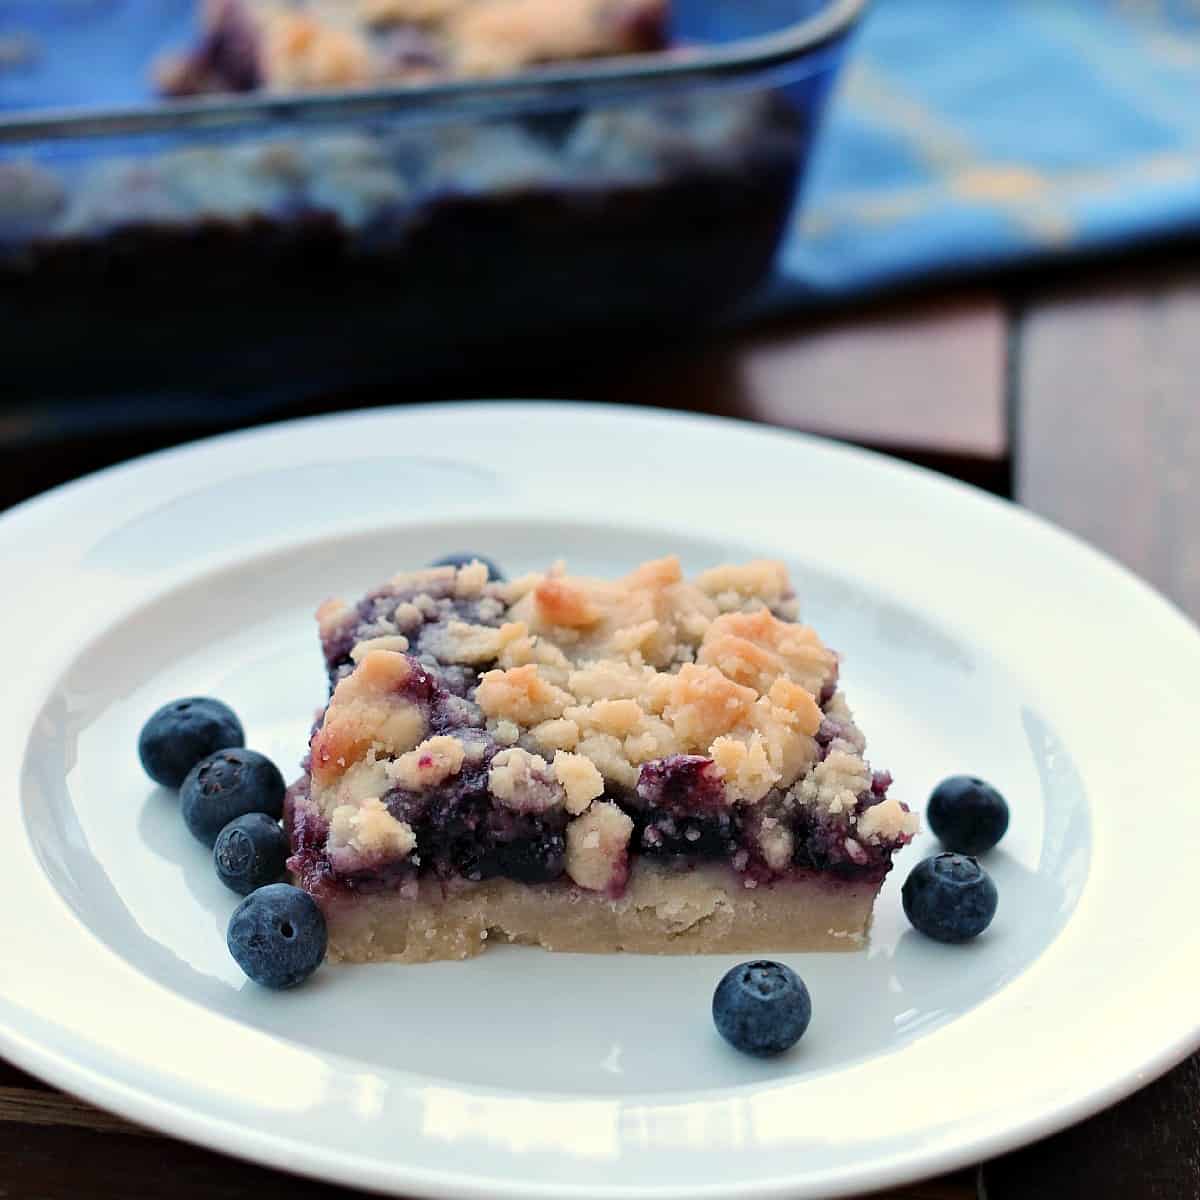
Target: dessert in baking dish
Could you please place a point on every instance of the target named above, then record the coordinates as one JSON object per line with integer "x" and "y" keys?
{"x": 298, "y": 45}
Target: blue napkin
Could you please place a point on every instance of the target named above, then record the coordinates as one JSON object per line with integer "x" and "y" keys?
{"x": 968, "y": 134}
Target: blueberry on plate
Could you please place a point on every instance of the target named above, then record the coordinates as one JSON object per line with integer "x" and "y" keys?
{"x": 229, "y": 784}
{"x": 949, "y": 897}
{"x": 967, "y": 815}
{"x": 250, "y": 852}
{"x": 761, "y": 1008}
{"x": 495, "y": 575}
{"x": 277, "y": 935}
{"x": 183, "y": 732}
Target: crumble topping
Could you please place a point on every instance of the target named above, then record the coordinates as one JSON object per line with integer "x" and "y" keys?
{"x": 385, "y": 641}
{"x": 471, "y": 579}
{"x": 887, "y": 821}
{"x": 836, "y": 784}
{"x": 359, "y": 784}
{"x": 520, "y": 695}
{"x": 620, "y": 672}
{"x": 706, "y": 704}
{"x": 505, "y": 732}
{"x": 367, "y": 713}
{"x": 367, "y": 832}
{"x": 557, "y": 602}
{"x": 745, "y": 767}
{"x": 556, "y": 724}
{"x": 776, "y": 842}
{"x": 757, "y": 648}
{"x": 559, "y": 734}
{"x": 520, "y": 649}
{"x": 646, "y": 667}
{"x": 608, "y": 755}
{"x": 430, "y": 763}
{"x": 524, "y": 782}
{"x": 650, "y": 617}
{"x": 472, "y": 645}
{"x": 838, "y": 726}
{"x": 598, "y": 848}
{"x": 731, "y": 586}
{"x": 580, "y": 780}
{"x": 331, "y": 615}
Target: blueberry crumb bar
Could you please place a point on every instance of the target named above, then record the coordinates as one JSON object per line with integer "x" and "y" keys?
{"x": 650, "y": 764}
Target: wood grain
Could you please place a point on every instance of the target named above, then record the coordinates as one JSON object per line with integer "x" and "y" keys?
{"x": 49, "y": 1162}
{"x": 927, "y": 377}
{"x": 1146, "y": 1148}
{"x": 11, "y": 1077}
{"x": 30, "y": 1106}
{"x": 1107, "y": 443}
{"x": 960, "y": 1186}
{"x": 1108, "y": 429}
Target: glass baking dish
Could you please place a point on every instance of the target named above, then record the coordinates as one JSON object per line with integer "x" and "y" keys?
{"x": 263, "y": 245}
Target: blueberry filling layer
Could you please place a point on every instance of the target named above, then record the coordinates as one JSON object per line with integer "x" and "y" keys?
{"x": 461, "y": 831}
{"x": 678, "y": 811}
{"x": 462, "y": 834}
{"x": 678, "y": 808}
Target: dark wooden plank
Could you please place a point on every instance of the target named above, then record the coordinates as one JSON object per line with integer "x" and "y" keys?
{"x": 40, "y": 1106}
{"x": 959, "y": 1186}
{"x": 1108, "y": 437}
{"x": 1108, "y": 432}
{"x": 13, "y": 1077}
{"x": 1146, "y": 1148}
{"x": 929, "y": 377}
{"x": 55, "y": 1163}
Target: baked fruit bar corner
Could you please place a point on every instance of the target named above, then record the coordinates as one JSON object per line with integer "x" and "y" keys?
{"x": 649, "y": 764}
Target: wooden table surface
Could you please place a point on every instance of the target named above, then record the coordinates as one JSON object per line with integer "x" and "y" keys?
{"x": 1076, "y": 397}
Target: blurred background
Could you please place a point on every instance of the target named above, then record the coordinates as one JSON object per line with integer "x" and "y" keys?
{"x": 219, "y": 212}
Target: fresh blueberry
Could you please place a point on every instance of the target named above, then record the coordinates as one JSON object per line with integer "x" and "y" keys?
{"x": 949, "y": 897}
{"x": 495, "y": 575}
{"x": 761, "y": 1008}
{"x": 967, "y": 815}
{"x": 227, "y": 785}
{"x": 277, "y": 935}
{"x": 250, "y": 852}
{"x": 183, "y": 732}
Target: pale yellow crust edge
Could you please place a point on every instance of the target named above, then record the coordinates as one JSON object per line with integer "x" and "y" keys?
{"x": 704, "y": 910}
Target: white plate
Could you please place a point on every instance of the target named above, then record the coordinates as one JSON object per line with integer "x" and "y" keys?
{"x": 975, "y": 639}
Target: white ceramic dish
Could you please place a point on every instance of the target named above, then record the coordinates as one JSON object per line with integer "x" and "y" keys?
{"x": 975, "y": 638}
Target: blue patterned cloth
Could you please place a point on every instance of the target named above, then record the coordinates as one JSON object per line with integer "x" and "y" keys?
{"x": 967, "y": 134}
